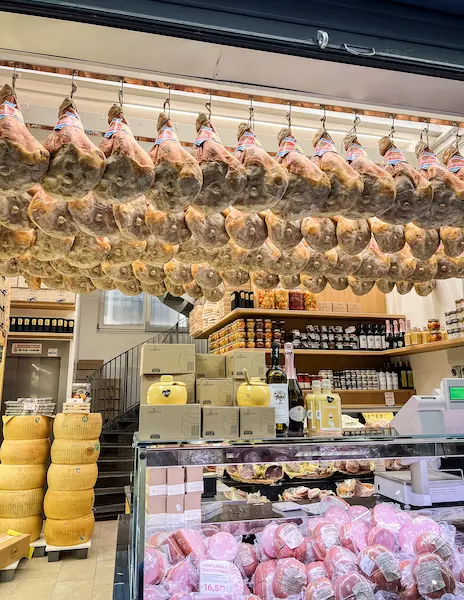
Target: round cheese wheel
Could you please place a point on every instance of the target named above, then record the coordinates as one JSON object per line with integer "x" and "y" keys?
{"x": 182, "y": 577}
{"x": 353, "y": 535}
{"x": 246, "y": 559}
{"x": 290, "y": 578}
{"x": 325, "y": 536}
{"x": 339, "y": 561}
{"x": 383, "y": 515}
{"x": 266, "y": 541}
{"x": 411, "y": 532}
{"x": 432, "y": 577}
{"x": 155, "y": 566}
{"x": 382, "y": 536}
{"x": 381, "y": 567}
{"x": 320, "y": 589}
{"x": 263, "y": 578}
{"x": 359, "y": 513}
{"x": 315, "y": 570}
{"x": 337, "y": 516}
{"x": 222, "y": 546}
{"x": 433, "y": 543}
{"x": 191, "y": 543}
{"x": 289, "y": 542}
{"x": 353, "y": 586}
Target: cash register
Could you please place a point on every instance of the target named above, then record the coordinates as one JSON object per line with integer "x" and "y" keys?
{"x": 441, "y": 413}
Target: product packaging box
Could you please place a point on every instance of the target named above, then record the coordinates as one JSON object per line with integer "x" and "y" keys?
{"x": 212, "y": 366}
{"x": 89, "y": 364}
{"x": 324, "y": 306}
{"x": 354, "y": 307}
{"x": 257, "y": 422}
{"x": 220, "y": 422}
{"x": 12, "y": 548}
{"x": 187, "y": 378}
{"x": 254, "y": 361}
{"x": 340, "y": 307}
{"x": 192, "y": 506}
{"x": 167, "y": 359}
{"x": 194, "y": 480}
{"x": 156, "y": 481}
{"x": 155, "y": 505}
{"x": 169, "y": 422}
{"x": 175, "y": 510}
{"x": 215, "y": 392}
{"x": 175, "y": 480}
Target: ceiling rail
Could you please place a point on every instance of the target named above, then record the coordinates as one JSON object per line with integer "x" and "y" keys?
{"x": 148, "y": 83}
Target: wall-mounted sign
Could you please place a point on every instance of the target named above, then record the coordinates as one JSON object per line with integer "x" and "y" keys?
{"x": 25, "y": 348}
{"x": 52, "y": 352}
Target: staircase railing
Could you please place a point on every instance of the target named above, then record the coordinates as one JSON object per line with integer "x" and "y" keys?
{"x": 115, "y": 387}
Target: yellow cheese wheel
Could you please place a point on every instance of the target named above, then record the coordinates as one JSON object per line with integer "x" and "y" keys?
{"x": 22, "y": 477}
{"x": 30, "y": 525}
{"x": 68, "y": 505}
{"x": 75, "y": 452}
{"x": 77, "y": 426}
{"x": 26, "y": 427}
{"x": 25, "y": 452}
{"x": 71, "y": 477}
{"x": 69, "y": 532}
{"x": 21, "y": 503}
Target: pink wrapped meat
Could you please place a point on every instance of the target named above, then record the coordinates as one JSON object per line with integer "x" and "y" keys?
{"x": 339, "y": 561}
{"x": 266, "y": 541}
{"x": 325, "y": 536}
{"x": 337, "y": 516}
{"x": 320, "y": 589}
{"x": 432, "y": 542}
{"x": 289, "y": 542}
{"x": 382, "y": 536}
{"x": 289, "y": 578}
{"x": 335, "y": 501}
{"x": 353, "y": 535}
{"x": 263, "y": 579}
{"x": 315, "y": 570}
{"x": 166, "y": 543}
{"x": 182, "y": 577}
{"x": 410, "y": 533}
{"x": 353, "y": 586}
{"x": 381, "y": 567}
{"x": 408, "y": 587}
{"x": 155, "y": 566}
{"x": 155, "y": 592}
{"x": 222, "y": 546}
{"x": 404, "y": 518}
{"x": 432, "y": 577}
{"x": 191, "y": 542}
{"x": 246, "y": 559}
{"x": 359, "y": 513}
{"x": 383, "y": 515}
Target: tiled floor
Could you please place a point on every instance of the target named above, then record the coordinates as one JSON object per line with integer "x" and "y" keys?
{"x": 70, "y": 578}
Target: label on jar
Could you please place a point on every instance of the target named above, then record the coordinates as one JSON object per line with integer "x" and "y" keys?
{"x": 297, "y": 413}
{"x": 279, "y": 401}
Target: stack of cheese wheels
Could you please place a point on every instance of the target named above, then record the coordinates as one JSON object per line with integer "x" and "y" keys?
{"x": 71, "y": 478}
{"x": 24, "y": 454}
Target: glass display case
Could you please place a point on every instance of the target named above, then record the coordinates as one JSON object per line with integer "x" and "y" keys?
{"x": 167, "y": 487}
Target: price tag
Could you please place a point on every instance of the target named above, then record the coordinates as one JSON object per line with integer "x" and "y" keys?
{"x": 390, "y": 398}
{"x": 215, "y": 577}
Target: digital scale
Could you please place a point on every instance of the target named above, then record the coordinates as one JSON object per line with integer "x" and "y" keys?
{"x": 438, "y": 414}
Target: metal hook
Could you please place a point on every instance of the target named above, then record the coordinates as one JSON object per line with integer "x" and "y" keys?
{"x": 356, "y": 122}
{"x": 392, "y": 127}
{"x": 121, "y": 94}
{"x": 426, "y": 131}
{"x": 288, "y": 116}
{"x": 14, "y": 78}
{"x": 208, "y": 105}
{"x": 73, "y": 84}
{"x": 458, "y": 137}
{"x": 324, "y": 117}
{"x": 167, "y": 104}
{"x": 251, "y": 120}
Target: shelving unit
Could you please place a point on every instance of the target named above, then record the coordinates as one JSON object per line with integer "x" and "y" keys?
{"x": 430, "y": 347}
{"x": 26, "y": 335}
{"x": 36, "y": 305}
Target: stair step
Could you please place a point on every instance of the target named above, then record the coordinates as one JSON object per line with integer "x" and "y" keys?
{"x": 128, "y": 420}
{"x": 116, "y": 459}
{"x": 114, "y": 474}
{"x": 117, "y": 432}
{"x": 110, "y": 508}
{"x": 109, "y": 490}
{"x": 115, "y": 445}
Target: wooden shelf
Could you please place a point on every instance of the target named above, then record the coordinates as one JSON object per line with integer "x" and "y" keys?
{"x": 23, "y": 304}
{"x": 375, "y": 408}
{"x": 26, "y": 335}
{"x": 421, "y": 348}
{"x": 330, "y": 352}
{"x": 310, "y": 315}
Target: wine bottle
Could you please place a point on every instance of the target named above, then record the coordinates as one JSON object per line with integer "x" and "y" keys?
{"x": 388, "y": 335}
{"x": 377, "y": 337}
{"x": 12, "y": 324}
{"x": 297, "y": 411}
{"x": 403, "y": 376}
{"x": 252, "y": 300}
{"x": 27, "y": 324}
{"x": 33, "y": 324}
{"x": 47, "y": 325}
{"x": 278, "y": 386}
{"x": 70, "y": 325}
{"x": 40, "y": 325}
{"x": 370, "y": 337}
{"x": 400, "y": 343}
{"x": 410, "y": 376}
{"x": 362, "y": 338}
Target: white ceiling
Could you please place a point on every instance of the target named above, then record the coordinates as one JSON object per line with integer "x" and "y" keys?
{"x": 126, "y": 53}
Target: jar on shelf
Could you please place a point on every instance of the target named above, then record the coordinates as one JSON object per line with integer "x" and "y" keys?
{"x": 266, "y": 299}
{"x": 435, "y": 336}
{"x": 425, "y": 336}
{"x": 281, "y": 299}
{"x": 250, "y": 344}
{"x": 416, "y": 337}
{"x": 296, "y": 300}
{"x": 433, "y": 325}
{"x": 310, "y": 301}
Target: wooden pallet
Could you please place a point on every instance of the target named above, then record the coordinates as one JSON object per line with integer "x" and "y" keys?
{"x": 54, "y": 552}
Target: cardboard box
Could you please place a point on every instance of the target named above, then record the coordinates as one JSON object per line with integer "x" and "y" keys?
{"x": 175, "y": 504}
{"x": 155, "y": 505}
{"x": 257, "y": 422}
{"x": 170, "y": 423}
{"x": 324, "y": 306}
{"x": 254, "y": 361}
{"x": 194, "y": 480}
{"x": 220, "y": 422}
{"x": 187, "y": 378}
{"x": 354, "y": 308}
{"x": 339, "y": 307}
{"x": 192, "y": 506}
{"x": 212, "y": 366}
{"x": 215, "y": 392}
{"x": 175, "y": 481}
{"x": 12, "y": 548}
{"x": 89, "y": 364}
{"x": 167, "y": 359}
{"x": 156, "y": 481}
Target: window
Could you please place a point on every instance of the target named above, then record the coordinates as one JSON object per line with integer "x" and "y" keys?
{"x": 143, "y": 313}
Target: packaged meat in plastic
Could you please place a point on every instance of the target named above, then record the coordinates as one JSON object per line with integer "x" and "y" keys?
{"x": 360, "y": 287}
{"x": 267, "y": 180}
{"x": 385, "y": 285}
{"x": 178, "y": 272}
{"x": 169, "y": 228}
{"x": 47, "y": 247}
{"x": 157, "y": 253}
{"x": 264, "y": 280}
{"x": 264, "y": 258}
{"x": 379, "y": 187}
{"x": 290, "y": 282}
{"x": 289, "y": 542}
{"x": 124, "y": 251}
{"x": 431, "y": 542}
{"x": 229, "y": 256}
{"x": 404, "y": 287}
{"x": 353, "y": 535}
{"x": 214, "y": 294}
{"x": 424, "y": 288}
{"x": 353, "y": 586}
{"x": 315, "y": 570}
{"x": 339, "y": 561}
{"x": 452, "y": 239}
{"x": 235, "y": 277}
{"x": 320, "y": 262}
{"x": 384, "y": 515}
{"x": 191, "y": 542}
{"x": 182, "y": 577}
{"x": 382, "y": 536}
{"x": 352, "y": 235}
{"x": 263, "y": 579}
{"x": 337, "y": 516}
{"x": 191, "y": 252}
{"x": 178, "y": 176}
{"x": 209, "y": 230}
{"x": 402, "y": 265}
{"x": 346, "y": 264}
{"x": 414, "y": 193}
{"x": 147, "y": 273}
{"x": 289, "y": 578}
{"x": 93, "y": 216}
{"x": 9, "y": 268}
{"x": 408, "y": 534}
{"x": 205, "y": 276}
{"x": 346, "y": 184}
{"x": 321, "y": 234}
{"x": 156, "y": 289}
{"x": 359, "y": 513}
{"x": 15, "y": 243}
{"x": 118, "y": 272}
{"x": 404, "y": 517}
{"x": 313, "y": 283}
{"x": 76, "y": 164}
{"x": 24, "y": 160}
{"x": 282, "y": 233}
{"x": 37, "y": 268}
{"x": 389, "y": 238}
{"x": 247, "y": 230}
{"x": 447, "y": 267}
{"x": 432, "y": 577}
{"x": 246, "y": 559}
{"x": 320, "y": 589}
{"x": 331, "y": 500}
{"x": 222, "y": 546}
{"x": 374, "y": 265}
{"x": 130, "y": 219}
{"x": 14, "y": 210}
{"x": 79, "y": 285}
{"x": 266, "y": 541}
{"x": 154, "y": 567}
{"x": 155, "y": 592}
{"x": 224, "y": 178}
{"x": 325, "y": 536}
{"x": 308, "y": 187}
{"x": 88, "y": 251}
{"x": 381, "y": 567}
{"x": 51, "y": 216}
{"x": 422, "y": 242}
{"x": 130, "y": 288}
{"x": 292, "y": 262}
{"x": 448, "y": 190}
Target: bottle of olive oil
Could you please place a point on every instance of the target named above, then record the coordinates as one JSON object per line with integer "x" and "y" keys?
{"x": 277, "y": 382}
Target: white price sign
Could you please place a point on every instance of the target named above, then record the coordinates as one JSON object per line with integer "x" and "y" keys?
{"x": 215, "y": 577}
{"x": 390, "y": 398}
{"x": 23, "y": 348}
